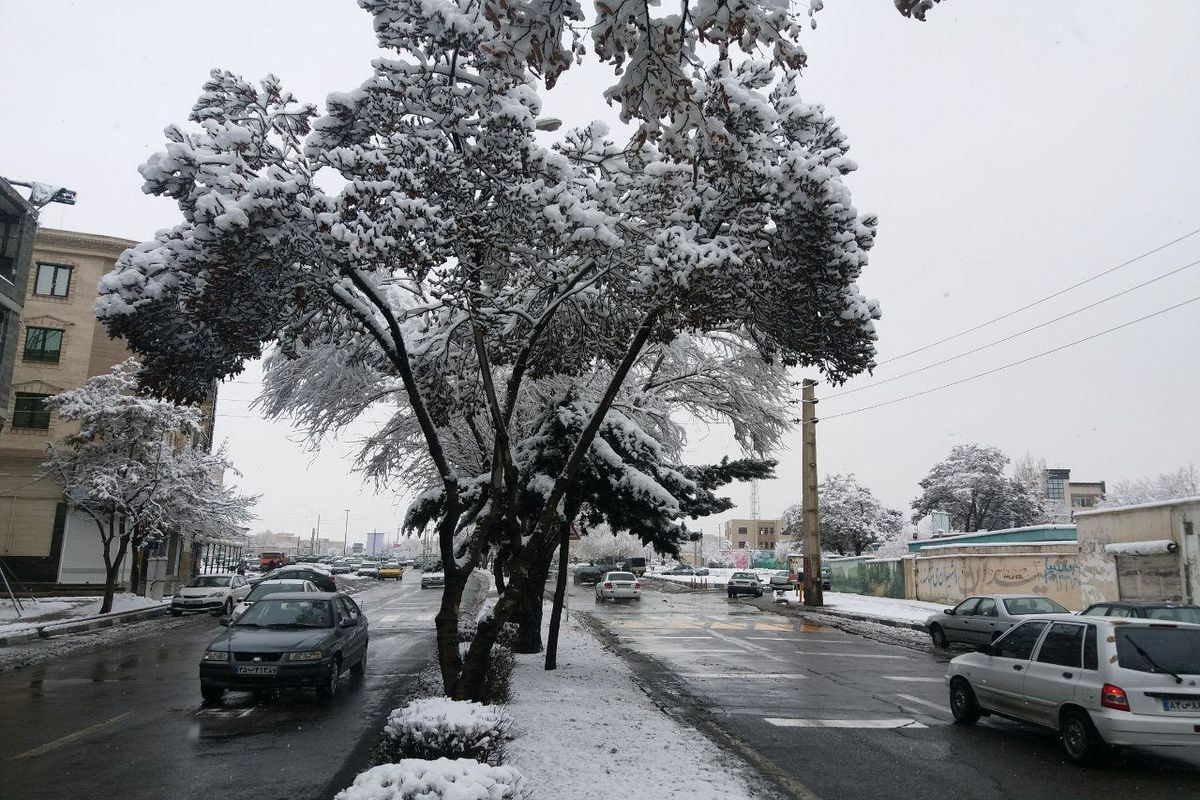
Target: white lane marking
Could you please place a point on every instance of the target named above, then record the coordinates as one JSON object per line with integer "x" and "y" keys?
{"x": 913, "y": 679}
{"x": 921, "y": 702}
{"x": 796, "y": 639}
{"x": 693, "y": 638}
{"x": 697, "y": 651}
{"x": 48, "y": 746}
{"x": 842, "y": 655}
{"x": 895, "y": 722}
{"x": 739, "y": 676}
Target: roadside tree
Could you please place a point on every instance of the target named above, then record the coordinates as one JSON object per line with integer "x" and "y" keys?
{"x": 1183, "y": 482}
{"x": 971, "y": 486}
{"x": 852, "y": 518}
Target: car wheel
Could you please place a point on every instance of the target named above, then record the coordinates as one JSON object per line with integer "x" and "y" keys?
{"x": 730, "y": 595}
{"x": 1080, "y": 738}
{"x": 361, "y": 667}
{"x": 227, "y": 609}
{"x": 175, "y": 613}
{"x": 939, "y": 636}
{"x": 211, "y": 694}
{"x": 758, "y": 593}
{"x": 329, "y": 687}
{"x": 963, "y": 704}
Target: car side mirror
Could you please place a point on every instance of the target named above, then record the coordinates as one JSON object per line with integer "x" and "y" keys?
{"x": 949, "y": 611}
{"x": 349, "y": 623}
{"x": 224, "y": 622}
{"x": 986, "y": 649}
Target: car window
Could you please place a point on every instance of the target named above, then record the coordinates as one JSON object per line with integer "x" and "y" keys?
{"x": 352, "y": 607}
{"x": 343, "y": 613}
{"x": 1159, "y": 649}
{"x": 966, "y": 606}
{"x": 1018, "y": 643}
{"x": 1119, "y": 611}
{"x": 209, "y": 581}
{"x": 288, "y": 613}
{"x": 1063, "y": 645}
{"x": 1094, "y": 611}
{"x": 270, "y": 587}
{"x": 1019, "y": 606}
{"x": 986, "y": 608}
{"x": 1176, "y": 614}
{"x": 1091, "y": 657}
{"x": 621, "y": 576}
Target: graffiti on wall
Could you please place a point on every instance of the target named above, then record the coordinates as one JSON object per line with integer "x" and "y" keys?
{"x": 953, "y": 577}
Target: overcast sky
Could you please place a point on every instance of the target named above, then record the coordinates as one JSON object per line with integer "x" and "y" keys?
{"x": 1009, "y": 149}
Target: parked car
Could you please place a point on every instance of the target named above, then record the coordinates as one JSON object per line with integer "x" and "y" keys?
{"x": 636, "y": 565}
{"x": 587, "y": 574}
{"x": 264, "y": 588}
{"x": 369, "y": 569}
{"x": 304, "y": 572}
{"x": 680, "y": 569}
{"x": 390, "y": 570}
{"x": 218, "y": 592}
{"x": 619, "y": 586}
{"x": 341, "y": 567}
{"x": 1098, "y": 681}
{"x": 291, "y": 639}
{"x": 434, "y": 578}
{"x": 744, "y": 583}
{"x": 1175, "y": 612}
{"x": 781, "y": 580}
{"x": 981, "y": 619}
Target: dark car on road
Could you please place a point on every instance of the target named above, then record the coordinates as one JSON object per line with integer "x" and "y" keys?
{"x": 290, "y": 639}
{"x": 300, "y": 572}
{"x": 1147, "y": 609}
{"x": 588, "y": 575}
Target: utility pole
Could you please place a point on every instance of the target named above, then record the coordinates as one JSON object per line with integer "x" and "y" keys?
{"x": 346, "y": 534}
{"x": 813, "y": 594}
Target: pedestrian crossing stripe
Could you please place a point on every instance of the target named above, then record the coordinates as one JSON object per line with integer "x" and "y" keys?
{"x": 896, "y": 722}
{"x": 762, "y": 626}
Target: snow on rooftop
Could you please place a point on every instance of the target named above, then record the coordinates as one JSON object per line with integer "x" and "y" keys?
{"x": 992, "y": 544}
{"x": 1178, "y": 501}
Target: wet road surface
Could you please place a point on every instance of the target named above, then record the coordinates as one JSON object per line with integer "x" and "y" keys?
{"x": 830, "y": 714}
{"x": 127, "y": 721}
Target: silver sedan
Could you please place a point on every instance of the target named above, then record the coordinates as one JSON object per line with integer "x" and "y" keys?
{"x": 983, "y": 618}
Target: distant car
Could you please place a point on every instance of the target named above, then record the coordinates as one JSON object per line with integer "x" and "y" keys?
{"x": 619, "y": 586}
{"x": 340, "y": 567}
{"x": 701, "y": 572}
{"x": 1175, "y": 612}
{"x": 264, "y": 588}
{"x": 370, "y": 569}
{"x": 982, "y": 619}
{"x": 680, "y": 569}
{"x": 433, "y": 580}
{"x": 587, "y": 574}
{"x": 290, "y": 639}
{"x": 390, "y": 570}
{"x": 636, "y": 565}
{"x": 217, "y": 593}
{"x": 304, "y": 572}
{"x": 743, "y": 583}
{"x": 781, "y": 580}
{"x": 1098, "y": 681}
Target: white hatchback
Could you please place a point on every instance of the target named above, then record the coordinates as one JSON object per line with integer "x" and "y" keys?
{"x": 264, "y": 588}
{"x": 1097, "y": 681}
{"x": 618, "y": 586}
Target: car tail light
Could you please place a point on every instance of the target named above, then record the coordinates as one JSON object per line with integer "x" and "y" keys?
{"x": 607, "y": 585}
{"x": 1114, "y": 697}
{"x": 637, "y": 586}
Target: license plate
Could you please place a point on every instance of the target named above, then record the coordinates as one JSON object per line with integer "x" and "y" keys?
{"x": 1185, "y": 706}
{"x": 257, "y": 669}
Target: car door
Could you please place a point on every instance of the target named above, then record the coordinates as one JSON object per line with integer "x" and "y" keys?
{"x": 1001, "y": 680}
{"x": 957, "y": 626}
{"x": 1054, "y": 671}
{"x": 358, "y": 633}
{"x": 984, "y": 622}
{"x": 241, "y": 588}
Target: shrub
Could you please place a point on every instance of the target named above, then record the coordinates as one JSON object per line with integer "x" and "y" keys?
{"x": 440, "y": 727}
{"x": 443, "y": 779}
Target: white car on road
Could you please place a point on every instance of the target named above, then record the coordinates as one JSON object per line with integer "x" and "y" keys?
{"x": 218, "y": 593}
{"x": 265, "y": 588}
{"x": 1097, "y": 681}
{"x": 618, "y": 586}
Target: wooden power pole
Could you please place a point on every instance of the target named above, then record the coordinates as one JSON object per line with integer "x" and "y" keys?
{"x": 813, "y": 594}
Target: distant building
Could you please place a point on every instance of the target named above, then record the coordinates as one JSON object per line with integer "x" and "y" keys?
{"x": 754, "y": 534}
{"x": 1072, "y": 495}
{"x": 18, "y": 226}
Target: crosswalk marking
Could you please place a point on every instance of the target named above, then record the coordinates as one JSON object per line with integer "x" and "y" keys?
{"x": 763, "y": 626}
{"x": 913, "y": 679}
{"x": 896, "y": 722}
{"x": 842, "y": 655}
{"x": 742, "y": 676}
{"x": 921, "y": 702}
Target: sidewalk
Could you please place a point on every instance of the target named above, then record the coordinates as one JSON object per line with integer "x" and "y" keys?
{"x": 587, "y": 732}
{"x": 47, "y": 616}
{"x": 884, "y": 610}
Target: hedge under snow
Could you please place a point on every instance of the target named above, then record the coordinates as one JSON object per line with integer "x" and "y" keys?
{"x": 443, "y": 779}
{"x": 436, "y": 727}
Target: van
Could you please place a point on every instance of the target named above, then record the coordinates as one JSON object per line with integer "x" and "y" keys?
{"x": 635, "y": 565}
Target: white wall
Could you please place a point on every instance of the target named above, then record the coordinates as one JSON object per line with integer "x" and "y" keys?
{"x": 82, "y": 552}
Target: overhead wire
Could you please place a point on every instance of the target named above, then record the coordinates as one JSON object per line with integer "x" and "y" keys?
{"x": 1025, "y": 360}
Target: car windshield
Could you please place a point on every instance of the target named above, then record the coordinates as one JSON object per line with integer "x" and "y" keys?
{"x": 271, "y": 587}
{"x": 287, "y": 614}
{"x": 621, "y": 576}
{"x": 1019, "y": 606}
{"x": 209, "y": 581}
{"x": 749, "y": 575}
{"x": 1169, "y": 649}
{"x": 1186, "y": 614}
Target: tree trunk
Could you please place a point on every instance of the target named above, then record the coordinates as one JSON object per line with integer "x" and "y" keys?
{"x": 469, "y": 685}
{"x": 560, "y": 596}
{"x": 446, "y": 624}
{"x": 135, "y": 569}
{"x": 112, "y": 568}
{"x": 498, "y": 572}
{"x": 529, "y": 614}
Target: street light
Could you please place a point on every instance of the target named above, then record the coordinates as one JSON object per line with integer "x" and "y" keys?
{"x": 547, "y": 123}
{"x": 346, "y": 535}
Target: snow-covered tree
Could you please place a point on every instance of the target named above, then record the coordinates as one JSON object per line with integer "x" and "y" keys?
{"x": 971, "y": 486}
{"x": 132, "y": 467}
{"x": 602, "y": 543}
{"x": 1031, "y": 473}
{"x": 525, "y": 308}
{"x": 1183, "y": 482}
{"x": 852, "y": 518}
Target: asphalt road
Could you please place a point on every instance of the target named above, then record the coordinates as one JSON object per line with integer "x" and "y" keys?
{"x": 126, "y": 720}
{"x": 828, "y": 714}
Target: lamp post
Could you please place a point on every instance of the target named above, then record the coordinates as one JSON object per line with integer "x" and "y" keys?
{"x": 346, "y": 534}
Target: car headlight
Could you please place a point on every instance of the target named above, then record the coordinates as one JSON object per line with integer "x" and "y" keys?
{"x": 216, "y": 655}
{"x": 306, "y": 655}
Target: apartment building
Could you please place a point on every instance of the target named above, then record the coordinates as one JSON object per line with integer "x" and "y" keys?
{"x": 754, "y": 534}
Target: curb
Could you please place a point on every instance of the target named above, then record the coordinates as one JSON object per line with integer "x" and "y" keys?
{"x": 82, "y": 625}
{"x": 849, "y": 615}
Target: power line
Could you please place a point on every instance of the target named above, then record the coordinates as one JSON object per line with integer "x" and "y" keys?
{"x": 1015, "y": 335}
{"x": 1028, "y": 306}
{"x": 1014, "y": 363}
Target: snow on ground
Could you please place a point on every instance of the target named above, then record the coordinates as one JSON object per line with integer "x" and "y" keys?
{"x": 44, "y": 610}
{"x": 878, "y": 607}
{"x": 587, "y": 732}
{"x": 716, "y": 577}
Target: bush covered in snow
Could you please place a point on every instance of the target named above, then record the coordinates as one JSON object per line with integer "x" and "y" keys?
{"x": 443, "y": 779}
{"x": 434, "y": 727}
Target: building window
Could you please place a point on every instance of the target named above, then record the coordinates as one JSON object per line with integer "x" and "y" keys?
{"x": 53, "y": 280}
{"x": 10, "y": 242}
{"x": 43, "y": 344}
{"x": 29, "y": 411}
{"x": 741, "y": 544}
{"x": 742, "y": 531}
{"x": 1083, "y": 501}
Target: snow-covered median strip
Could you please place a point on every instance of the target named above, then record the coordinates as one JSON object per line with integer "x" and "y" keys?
{"x": 889, "y": 608}
{"x": 39, "y": 612}
{"x": 586, "y": 732}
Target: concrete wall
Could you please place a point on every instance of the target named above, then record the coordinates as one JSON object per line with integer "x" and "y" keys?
{"x": 947, "y": 575}
{"x": 1033, "y": 533}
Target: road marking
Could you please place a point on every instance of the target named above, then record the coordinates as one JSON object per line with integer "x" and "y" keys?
{"x": 921, "y": 702}
{"x": 728, "y": 626}
{"x": 896, "y": 722}
{"x": 762, "y": 626}
{"x": 791, "y": 639}
{"x": 843, "y": 655}
{"x": 46, "y": 748}
{"x": 741, "y": 676}
{"x": 655, "y": 637}
{"x": 913, "y": 679}
{"x": 698, "y": 652}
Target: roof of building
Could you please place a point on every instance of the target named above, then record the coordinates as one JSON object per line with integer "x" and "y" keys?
{"x": 1178, "y": 501}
